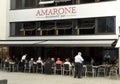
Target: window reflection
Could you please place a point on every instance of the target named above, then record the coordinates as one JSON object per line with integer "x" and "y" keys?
{"x": 29, "y": 3}
{"x": 85, "y": 26}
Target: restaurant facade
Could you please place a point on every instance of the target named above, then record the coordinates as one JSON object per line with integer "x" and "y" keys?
{"x": 61, "y": 28}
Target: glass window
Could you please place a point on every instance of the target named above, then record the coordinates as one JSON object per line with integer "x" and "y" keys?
{"x": 64, "y": 27}
{"x": 16, "y": 4}
{"x": 29, "y": 28}
{"x": 47, "y": 27}
{"x": 64, "y": 2}
{"x": 86, "y": 26}
{"x": 86, "y": 1}
{"x": 106, "y": 25}
{"x": 30, "y": 3}
{"x": 14, "y": 29}
{"x": 23, "y": 29}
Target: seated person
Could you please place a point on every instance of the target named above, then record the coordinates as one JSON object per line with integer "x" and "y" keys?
{"x": 39, "y": 60}
{"x": 106, "y": 58}
{"x": 31, "y": 62}
{"x": 67, "y": 62}
{"x": 59, "y": 61}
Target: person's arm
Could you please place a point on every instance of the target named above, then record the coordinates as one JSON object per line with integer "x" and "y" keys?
{"x": 81, "y": 58}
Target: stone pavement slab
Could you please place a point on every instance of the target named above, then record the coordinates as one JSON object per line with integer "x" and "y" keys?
{"x": 37, "y": 78}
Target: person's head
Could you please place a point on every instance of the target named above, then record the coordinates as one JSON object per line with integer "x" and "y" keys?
{"x": 79, "y": 53}
{"x": 67, "y": 60}
{"x": 58, "y": 58}
{"x": 31, "y": 59}
{"x": 39, "y": 58}
{"x": 52, "y": 59}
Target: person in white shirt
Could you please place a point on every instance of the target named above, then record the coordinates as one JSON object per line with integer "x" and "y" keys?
{"x": 67, "y": 62}
{"x": 23, "y": 58}
{"x": 78, "y": 65}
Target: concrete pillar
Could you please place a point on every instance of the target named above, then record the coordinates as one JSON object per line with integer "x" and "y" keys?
{"x": 119, "y": 59}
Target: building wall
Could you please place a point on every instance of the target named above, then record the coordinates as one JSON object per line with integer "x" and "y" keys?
{"x": 103, "y": 9}
{"x": 82, "y": 11}
{"x": 118, "y": 17}
{"x": 3, "y": 19}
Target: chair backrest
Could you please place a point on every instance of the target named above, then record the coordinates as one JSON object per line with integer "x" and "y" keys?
{"x": 39, "y": 65}
{"x": 58, "y": 66}
{"x": 66, "y": 67}
{"x": 89, "y": 68}
{"x": 102, "y": 68}
{"x": 27, "y": 65}
{"x": 6, "y": 64}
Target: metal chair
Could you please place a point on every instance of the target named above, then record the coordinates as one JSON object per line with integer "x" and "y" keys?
{"x": 66, "y": 69}
{"x": 101, "y": 70}
{"x": 58, "y": 69}
{"x": 89, "y": 69}
{"x": 6, "y": 66}
{"x": 113, "y": 72}
{"x": 20, "y": 66}
{"x": 39, "y": 67}
{"x": 27, "y": 67}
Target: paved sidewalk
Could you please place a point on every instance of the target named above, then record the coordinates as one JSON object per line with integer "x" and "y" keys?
{"x": 35, "y": 78}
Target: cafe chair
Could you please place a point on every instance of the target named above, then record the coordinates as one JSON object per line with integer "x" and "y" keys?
{"x": 66, "y": 69}
{"x": 6, "y": 66}
{"x": 39, "y": 67}
{"x": 101, "y": 71}
{"x": 27, "y": 67}
{"x": 89, "y": 70}
{"x": 113, "y": 72}
{"x": 58, "y": 69}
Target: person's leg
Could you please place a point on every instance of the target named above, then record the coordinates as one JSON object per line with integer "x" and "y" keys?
{"x": 81, "y": 66}
{"x": 79, "y": 70}
{"x": 76, "y": 70}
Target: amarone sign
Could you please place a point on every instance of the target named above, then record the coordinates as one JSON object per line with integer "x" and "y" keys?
{"x": 56, "y": 12}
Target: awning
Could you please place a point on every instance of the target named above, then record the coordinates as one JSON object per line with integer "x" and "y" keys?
{"x": 84, "y": 43}
{"x": 12, "y": 42}
{"x": 118, "y": 43}
{"x": 93, "y": 43}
